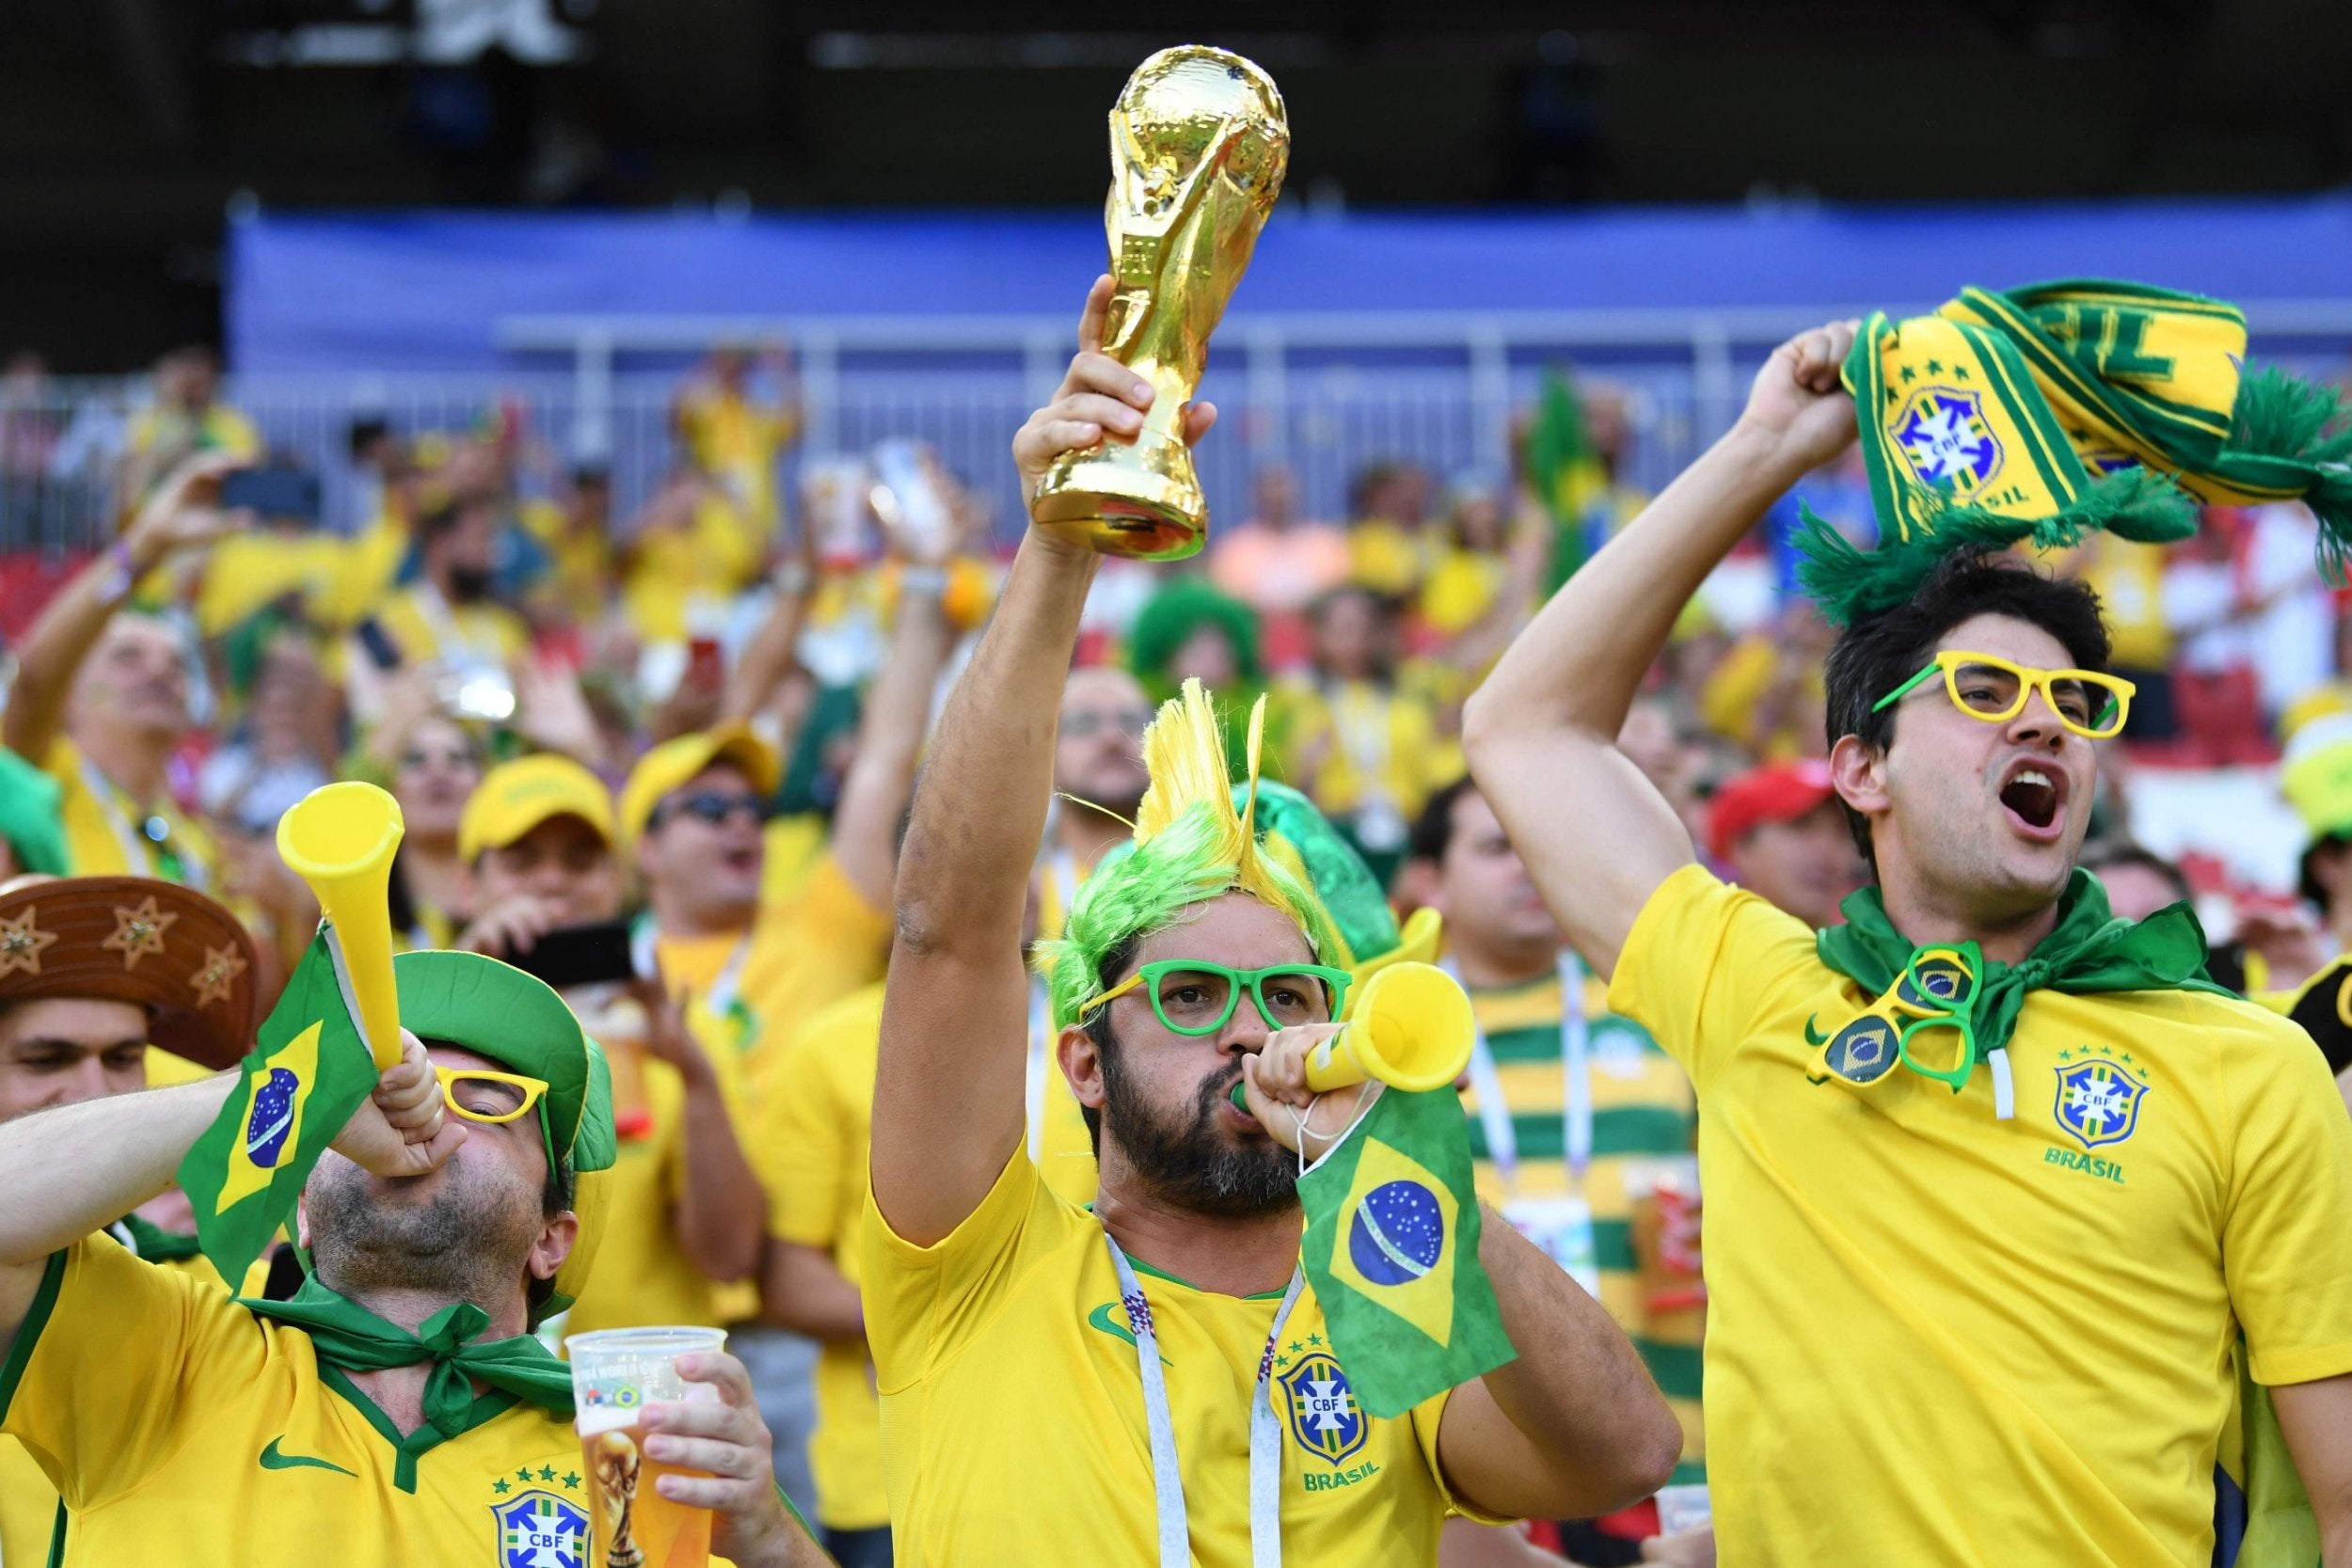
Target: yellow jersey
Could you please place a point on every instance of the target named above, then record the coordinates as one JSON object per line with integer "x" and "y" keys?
{"x": 642, "y": 1275}
{"x": 736, "y": 441}
{"x": 1644, "y": 1120}
{"x": 802, "y": 953}
{"x": 429, "y": 629}
{"x": 28, "y": 1503}
{"x": 106, "y": 836}
{"x": 1375, "y": 741}
{"x": 1013, "y": 1409}
{"x": 1934, "y": 1334}
{"x": 179, "y": 1427}
{"x": 810, "y": 1147}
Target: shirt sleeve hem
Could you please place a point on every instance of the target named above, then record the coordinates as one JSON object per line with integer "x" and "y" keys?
{"x": 1668, "y": 896}
{"x": 28, "y": 1332}
{"x": 1001, "y": 1193}
{"x": 2271, "y": 1370}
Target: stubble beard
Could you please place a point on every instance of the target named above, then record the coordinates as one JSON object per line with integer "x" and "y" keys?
{"x": 1184, "y": 1158}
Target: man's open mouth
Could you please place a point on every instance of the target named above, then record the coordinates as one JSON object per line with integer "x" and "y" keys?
{"x": 2034, "y": 794}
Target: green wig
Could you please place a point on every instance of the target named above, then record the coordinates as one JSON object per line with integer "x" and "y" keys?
{"x": 1193, "y": 842}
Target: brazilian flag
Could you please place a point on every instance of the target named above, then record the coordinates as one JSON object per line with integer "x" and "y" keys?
{"x": 307, "y": 1072}
{"x": 1565, "y": 473}
{"x": 1391, "y": 1250}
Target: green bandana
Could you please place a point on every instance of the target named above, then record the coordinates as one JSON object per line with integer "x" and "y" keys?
{"x": 2089, "y": 950}
{"x": 157, "y": 1245}
{"x": 350, "y": 1336}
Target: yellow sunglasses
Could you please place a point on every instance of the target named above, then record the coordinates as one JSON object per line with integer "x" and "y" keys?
{"x": 1981, "y": 686}
{"x": 501, "y": 1086}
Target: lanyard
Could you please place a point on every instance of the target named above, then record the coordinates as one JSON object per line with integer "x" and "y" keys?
{"x": 145, "y": 852}
{"x": 1576, "y": 1087}
{"x": 1062, "y": 872}
{"x": 1265, "y": 1431}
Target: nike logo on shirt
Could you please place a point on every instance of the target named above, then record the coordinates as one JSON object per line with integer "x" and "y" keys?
{"x": 273, "y": 1460}
{"x": 1116, "y": 1327}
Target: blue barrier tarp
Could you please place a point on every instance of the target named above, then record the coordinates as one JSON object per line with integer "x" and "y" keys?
{"x": 424, "y": 291}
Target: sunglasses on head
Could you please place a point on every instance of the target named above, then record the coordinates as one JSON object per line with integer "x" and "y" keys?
{"x": 712, "y": 807}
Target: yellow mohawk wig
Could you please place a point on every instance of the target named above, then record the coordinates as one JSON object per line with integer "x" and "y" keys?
{"x": 1191, "y": 844}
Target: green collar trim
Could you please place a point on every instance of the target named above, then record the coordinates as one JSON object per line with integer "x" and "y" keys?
{"x": 408, "y": 1450}
{"x": 29, "y": 1331}
{"x": 1142, "y": 1267}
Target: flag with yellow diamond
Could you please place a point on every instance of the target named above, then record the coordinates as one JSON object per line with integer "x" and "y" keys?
{"x": 1391, "y": 1250}
{"x": 307, "y": 1072}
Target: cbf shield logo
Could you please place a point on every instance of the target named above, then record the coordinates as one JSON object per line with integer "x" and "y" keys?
{"x": 1324, "y": 1416}
{"x": 539, "y": 1530}
{"x": 2097, "y": 1102}
{"x": 1942, "y": 435}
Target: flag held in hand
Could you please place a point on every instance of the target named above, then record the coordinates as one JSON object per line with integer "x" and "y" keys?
{"x": 1391, "y": 1250}
{"x": 309, "y": 1071}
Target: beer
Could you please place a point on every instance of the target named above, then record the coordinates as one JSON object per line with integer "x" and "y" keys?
{"x": 633, "y": 1525}
{"x": 615, "y": 1375}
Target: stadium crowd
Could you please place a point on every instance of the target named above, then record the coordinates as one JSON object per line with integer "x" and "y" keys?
{"x": 692, "y": 736}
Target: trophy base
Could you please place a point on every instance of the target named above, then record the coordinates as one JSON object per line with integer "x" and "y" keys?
{"x": 1116, "y": 504}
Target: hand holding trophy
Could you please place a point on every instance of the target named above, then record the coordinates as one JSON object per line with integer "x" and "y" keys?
{"x": 1199, "y": 145}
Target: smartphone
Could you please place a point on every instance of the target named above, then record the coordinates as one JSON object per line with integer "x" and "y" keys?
{"x": 581, "y": 956}
{"x": 272, "y": 493}
{"x": 382, "y": 650}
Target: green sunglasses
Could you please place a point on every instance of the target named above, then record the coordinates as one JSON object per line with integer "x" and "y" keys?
{"x": 1192, "y": 996}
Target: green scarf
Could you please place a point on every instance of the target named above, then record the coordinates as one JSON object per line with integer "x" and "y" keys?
{"x": 353, "y": 1338}
{"x": 2089, "y": 950}
{"x": 157, "y": 1245}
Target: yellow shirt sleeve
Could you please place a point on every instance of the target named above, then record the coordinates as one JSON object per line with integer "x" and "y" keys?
{"x": 1702, "y": 960}
{"x": 115, "y": 1365}
{"x": 2285, "y": 1251}
{"x": 923, "y": 1301}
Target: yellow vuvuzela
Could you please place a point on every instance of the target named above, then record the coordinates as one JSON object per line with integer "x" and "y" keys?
{"x": 1199, "y": 143}
{"x": 340, "y": 839}
{"x": 1411, "y": 1029}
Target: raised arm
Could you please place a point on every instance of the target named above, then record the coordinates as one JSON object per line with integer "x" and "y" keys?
{"x": 890, "y": 735}
{"x": 78, "y": 1168}
{"x": 1542, "y": 729}
{"x": 181, "y": 514}
{"x": 947, "y": 1097}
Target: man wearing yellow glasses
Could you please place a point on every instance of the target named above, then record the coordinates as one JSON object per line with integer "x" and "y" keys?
{"x": 397, "y": 1410}
{"x": 1994, "y": 1180}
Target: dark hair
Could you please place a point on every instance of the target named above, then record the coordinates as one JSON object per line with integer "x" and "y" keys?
{"x": 1098, "y": 1025}
{"x": 1878, "y": 652}
{"x": 2122, "y": 851}
{"x": 435, "y": 521}
{"x": 1433, "y": 830}
{"x": 2307, "y": 883}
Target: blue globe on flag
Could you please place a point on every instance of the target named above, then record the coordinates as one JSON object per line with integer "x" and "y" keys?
{"x": 1398, "y": 1235}
{"x": 273, "y": 1117}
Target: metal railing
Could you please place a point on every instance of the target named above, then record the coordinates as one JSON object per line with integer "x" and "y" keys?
{"x": 1325, "y": 394}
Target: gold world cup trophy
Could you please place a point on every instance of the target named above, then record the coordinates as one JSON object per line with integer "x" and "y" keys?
{"x": 1199, "y": 143}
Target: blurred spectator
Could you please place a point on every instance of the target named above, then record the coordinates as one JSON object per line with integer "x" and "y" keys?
{"x": 285, "y": 746}
{"x": 101, "y": 697}
{"x": 2253, "y": 626}
{"x": 2138, "y": 882}
{"x": 735, "y": 439}
{"x": 448, "y": 616}
{"x": 576, "y": 540}
{"x": 1781, "y": 833}
{"x": 1366, "y": 750}
{"x": 1766, "y": 695}
{"x": 1468, "y": 567}
{"x": 687, "y": 552}
{"x": 1190, "y": 631}
{"x": 1277, "y": 563}
{"x": 185, "y": 420}
{"x": 2129, "y": 579}
{"x": 1387, "y": 550}
{"x": 432, "y": 764}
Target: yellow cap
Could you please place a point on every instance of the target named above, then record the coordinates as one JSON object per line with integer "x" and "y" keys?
{"x": 2317, "y": 774}
{"x": 671, "y": 763}
{"x": 516, "y": 797}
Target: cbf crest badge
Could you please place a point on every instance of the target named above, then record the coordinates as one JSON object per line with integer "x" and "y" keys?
{"x": 1324, "y": 1416}
{"x": 2097, "y": 1102}
{"x": 539, "y": 1530}
{"x": 1942, "y": 435}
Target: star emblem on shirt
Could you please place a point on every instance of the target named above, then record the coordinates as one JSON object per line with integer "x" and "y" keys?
{"x": 138, "y": 931}
{"x": 212, "y": 983}
{"x": 1314, "y": 1338}
{"x": 547, "y": 1472}
{"x": 501, "y": 1486}
{"x": 523, "y": 1474}
{"x": 571, "y": 1480}
{"x": 22, "y": 943}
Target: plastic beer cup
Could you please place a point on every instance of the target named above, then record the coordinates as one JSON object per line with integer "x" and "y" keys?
{"x": 615, "y": 1375}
